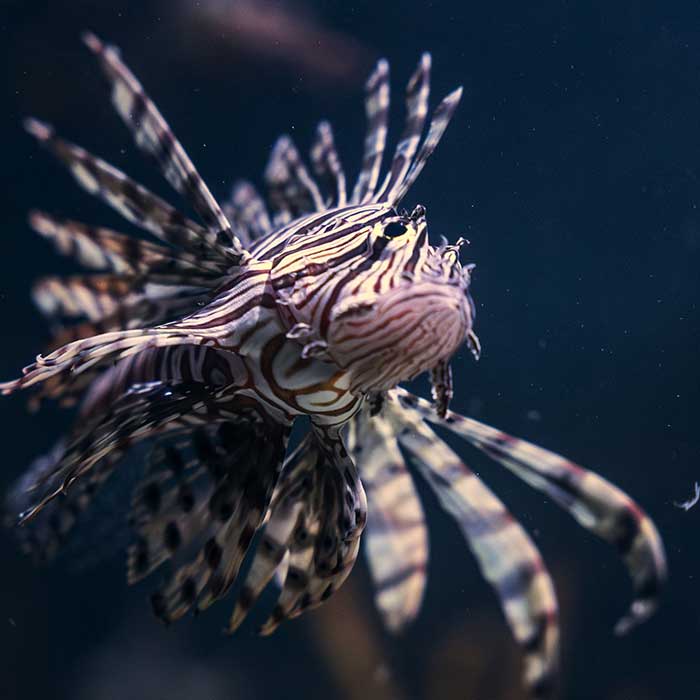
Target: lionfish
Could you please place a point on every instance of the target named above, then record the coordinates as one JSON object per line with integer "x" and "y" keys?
{"x": 216, "y": 340}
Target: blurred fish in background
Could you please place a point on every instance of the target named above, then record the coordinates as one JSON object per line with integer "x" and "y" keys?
{"x": 287, "y": 35}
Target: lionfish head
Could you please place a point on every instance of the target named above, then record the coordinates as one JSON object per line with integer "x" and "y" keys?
{"x": 361, "y": 285}
{"x": 407, "y": 309}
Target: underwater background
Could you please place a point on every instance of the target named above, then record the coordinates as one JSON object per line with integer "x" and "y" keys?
{"x": 572, "y": 166}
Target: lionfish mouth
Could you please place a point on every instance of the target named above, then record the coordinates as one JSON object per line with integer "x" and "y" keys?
{"x": 400, "y": 334}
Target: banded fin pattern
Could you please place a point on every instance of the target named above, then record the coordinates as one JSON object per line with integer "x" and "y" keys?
{"x": 327, "y": 165}
{"x": 507, "y": 557}
{"x": 595, "y": 503}
{"x": 112, "y": 302}
{"x": 130, "y": 199}
{"x": 377, "y": 112}
{"x": 129, "y": 315}
{"x": 152, "y": 285}
{"x": 295, "y": 193}
{"x": 246, "y": 210}
{"x": 324, "y": 542}
{"x": 99, "y": 248}
{"x": 89, "y": 296}
{"x": 155, "y": 138}
{"x": 441, "y": 118}
{"x": 396, "y": 537}
{"x": 417, "y": 92}
{"x": 292, "y": 191}
{"x": 79, "y": 356}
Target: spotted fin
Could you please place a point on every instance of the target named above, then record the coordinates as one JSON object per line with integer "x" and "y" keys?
{"x": 325, "y": 540}
{"x": 144, "y": 411}
{"x": 242, "y": 465}
{"x": 77, "y": 467}
{"x": 101, "y": 434}
{"x": 283, "y": 522}
{"x": 168, "y": 507}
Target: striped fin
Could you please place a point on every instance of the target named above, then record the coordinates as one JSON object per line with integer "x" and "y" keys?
{"x": 327, "y": 165}
{"x": 101, "y": 248}
{"x": 144, "y": 411}
{"x": 595, "y": 503}
{"x": 91, "y": 296}
{"x": 326, "y": 539}
{"x": 153, "y": 136}
{"x": 244, "y": 465}
{"x": 133, "y": 201}
{"x": 189, "y": 365}
{"x": 174, "y": 364}
{"x": 377, "y": 112}
{"x": 246, "y": 209}
{"x": 80, "y": 355}
{"x": 507, "y": 557}
{"x": 441, "y": 118}
{"x": 112, "y": 302}
{"x": 140, "y": 313}
{"x": 198, "y": 365}
{"x": 96, "y": 248}
{"x": 89, "y": 346}
{"x": 396, "y": 537}
{"x": 417, "y": 94}
{"x": 284, "y": 516}
{"x": 143, "y": 312}
{"x": 120, "y": 301}
{"x": 292, "y": 191}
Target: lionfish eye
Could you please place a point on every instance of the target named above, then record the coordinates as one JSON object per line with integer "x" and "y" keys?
{"x": 394, "y": 229}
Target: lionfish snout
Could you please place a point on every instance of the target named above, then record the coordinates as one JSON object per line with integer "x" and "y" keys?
{"x": 385, "y": 337}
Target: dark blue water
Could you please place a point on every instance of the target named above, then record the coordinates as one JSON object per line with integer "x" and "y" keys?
{"x": 573, "y": 166}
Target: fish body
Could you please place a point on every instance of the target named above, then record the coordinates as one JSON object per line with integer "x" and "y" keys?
{"x": 213, "y": 341}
